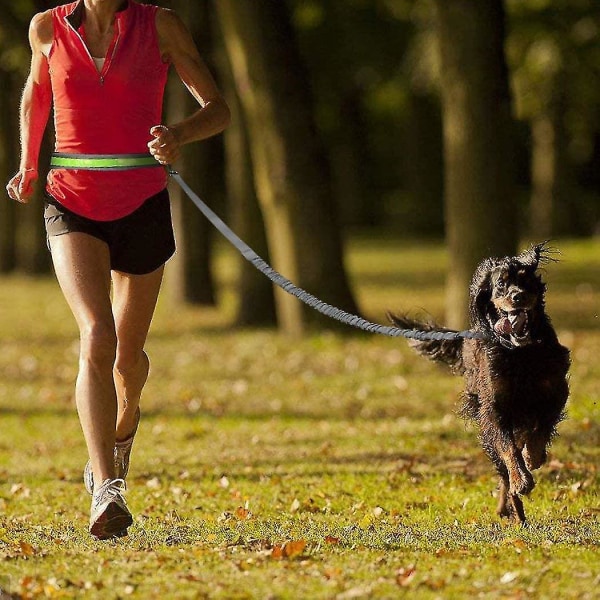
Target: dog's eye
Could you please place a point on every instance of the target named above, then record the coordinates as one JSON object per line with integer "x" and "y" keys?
{"x": 502, "y": 280}
{"x": 499, "y": 288}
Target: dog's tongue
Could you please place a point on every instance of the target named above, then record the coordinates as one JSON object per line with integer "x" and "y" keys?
{"x": 513, "y": 323}
{"x": 503, "y": 326}
{"x": 518, "y": 322}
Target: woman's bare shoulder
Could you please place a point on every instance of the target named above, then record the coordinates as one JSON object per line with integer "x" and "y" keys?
{"x": 41, "y": 30}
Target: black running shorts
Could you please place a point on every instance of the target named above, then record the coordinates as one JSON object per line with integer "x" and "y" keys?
{"x": 138, "y": 244}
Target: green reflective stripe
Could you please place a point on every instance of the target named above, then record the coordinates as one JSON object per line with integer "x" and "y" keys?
{"x": 74, "y": 161}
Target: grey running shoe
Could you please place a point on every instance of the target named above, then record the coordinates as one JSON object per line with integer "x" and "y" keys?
{"x": 122, "y": 453}
{"x": 110, "y": 516}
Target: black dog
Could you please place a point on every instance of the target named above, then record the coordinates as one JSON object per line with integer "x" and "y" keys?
{"x": 516, "y": 379}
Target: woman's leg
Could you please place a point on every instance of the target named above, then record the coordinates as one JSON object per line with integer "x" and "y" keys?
{"x": 82, "y": 267}
{"x": 134, "y": 301}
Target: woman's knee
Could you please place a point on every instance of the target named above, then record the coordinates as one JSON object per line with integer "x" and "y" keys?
{"x": 99, "y": 343}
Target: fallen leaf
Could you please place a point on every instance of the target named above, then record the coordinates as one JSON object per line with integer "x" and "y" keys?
{"x": 26, "y": 549}
{"x": 333, "y": 573}
{"x": 224, "y": 517}
{"x": 508, "y": 577}
{"x": 518, "y": 544}
{"x": 18, "y": 489}
{"x": 435, "y": 584}
{"x": 366, "y": 521}
{"x": 244, "y": 565}
{"x": 153, "y": 483}
{"x": 243, "y": 514}
{"x": 289, "y": 549}
{"x": 576, "y": 487}
{"x": 405, "y": 575}
{"x": 191, "y": 577}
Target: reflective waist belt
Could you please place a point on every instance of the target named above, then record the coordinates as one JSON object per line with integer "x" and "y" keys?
{"x": 105, "y": 162}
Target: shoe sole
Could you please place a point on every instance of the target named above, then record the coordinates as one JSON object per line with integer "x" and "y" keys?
{"x": 112, "y": 523}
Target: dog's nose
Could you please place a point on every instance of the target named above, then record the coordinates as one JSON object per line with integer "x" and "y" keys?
{"x": 517, "y": 296}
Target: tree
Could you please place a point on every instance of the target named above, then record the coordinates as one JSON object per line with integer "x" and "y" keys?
{"x": 191, "y": 278}
{"x": 476, "y": 105}
{"x": 256, "y": 303}
{"x": 549, "y": 166}
{"x": 289, "y": 163}
{"x": 22, "y": 234}
{"x": 8, "y": 241}
{"x": 555, "y": 63}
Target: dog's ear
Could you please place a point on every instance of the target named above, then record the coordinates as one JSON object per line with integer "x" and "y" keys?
{"x": 538, "y": 253}
{"x": 481, "y": 281}
{"x": 481, "y": 291}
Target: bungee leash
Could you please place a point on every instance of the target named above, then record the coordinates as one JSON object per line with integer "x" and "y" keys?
{"x": 285, "y": 284}
{"x": 113, "y": 162}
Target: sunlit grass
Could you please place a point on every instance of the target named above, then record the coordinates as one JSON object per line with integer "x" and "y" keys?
{"x": 328, "y": 467}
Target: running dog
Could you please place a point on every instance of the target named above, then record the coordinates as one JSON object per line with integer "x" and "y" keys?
{"x": 515, "y": 378}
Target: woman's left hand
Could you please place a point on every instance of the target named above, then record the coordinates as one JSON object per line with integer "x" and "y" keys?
{"x": 165, "y": 147}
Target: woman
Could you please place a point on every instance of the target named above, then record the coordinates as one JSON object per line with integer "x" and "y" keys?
{"x": 102, "y": 65}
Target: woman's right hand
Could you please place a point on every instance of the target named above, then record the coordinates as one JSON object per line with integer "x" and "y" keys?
{"x": 20, "y": 187}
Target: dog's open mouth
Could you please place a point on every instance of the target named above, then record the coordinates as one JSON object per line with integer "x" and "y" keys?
{"x": 514, "y": 325}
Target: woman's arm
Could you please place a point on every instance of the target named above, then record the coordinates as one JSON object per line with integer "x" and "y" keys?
{"x": 213, "y": 116}
{"x": 36, "y": 103}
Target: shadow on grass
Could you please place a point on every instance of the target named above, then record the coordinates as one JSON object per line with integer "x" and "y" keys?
{"x": 255, "y": 416}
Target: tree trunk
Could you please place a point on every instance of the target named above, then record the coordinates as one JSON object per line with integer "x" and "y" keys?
{"x": 423, "y": 166}
{"x": 479, "y": 181}
{"x": 8, "y": 162}
{"x": 354, "y": 203}
{"x": 256, "y": 302}
{"x": 543, "y": 176}
{"x": 549, "y": 195}
{"x": 289, "y": 163}
{"x": 190, "y": 276}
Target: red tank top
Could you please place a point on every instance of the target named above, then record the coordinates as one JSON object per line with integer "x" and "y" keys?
{"x": 106, "y": 112}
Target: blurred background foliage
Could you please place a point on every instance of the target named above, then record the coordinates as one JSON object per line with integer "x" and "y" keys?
{"x": 369, "y": 75}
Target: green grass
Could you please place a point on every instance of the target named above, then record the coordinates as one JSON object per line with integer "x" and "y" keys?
{"x": 327, "y": 467}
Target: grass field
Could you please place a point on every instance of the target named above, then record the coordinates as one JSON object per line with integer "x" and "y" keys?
{"x": 329, "y": 467}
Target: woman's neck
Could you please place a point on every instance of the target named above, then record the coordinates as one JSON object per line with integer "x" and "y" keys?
{"x": 100, "y": 14}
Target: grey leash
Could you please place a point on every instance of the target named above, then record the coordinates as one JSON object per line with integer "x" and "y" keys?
{"x": 304, "y": 296}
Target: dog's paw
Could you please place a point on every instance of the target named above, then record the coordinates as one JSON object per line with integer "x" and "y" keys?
{"x": 521, "y": 483}
{"x": 511, "y": 508}
{"x": 534, "y": 457}
{"x": 517, "y": 512}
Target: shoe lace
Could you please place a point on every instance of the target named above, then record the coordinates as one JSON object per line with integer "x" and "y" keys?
{"x": 111, "y": 489}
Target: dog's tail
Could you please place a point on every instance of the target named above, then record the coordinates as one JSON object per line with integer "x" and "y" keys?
{"x": 448, "y": 352}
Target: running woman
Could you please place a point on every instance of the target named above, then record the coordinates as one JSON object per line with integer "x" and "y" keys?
{"x": 102, "y": 66}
